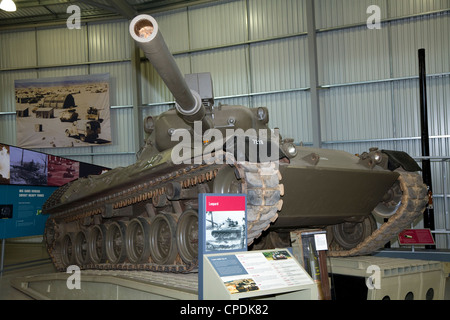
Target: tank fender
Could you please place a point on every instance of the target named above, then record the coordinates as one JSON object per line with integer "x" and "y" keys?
{"x": 398, "y": 159}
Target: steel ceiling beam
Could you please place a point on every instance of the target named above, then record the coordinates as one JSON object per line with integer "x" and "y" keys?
{"x": 120, "y": 7}
{"x": 124, "y": 9}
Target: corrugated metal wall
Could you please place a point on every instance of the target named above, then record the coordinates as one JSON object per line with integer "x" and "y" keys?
{"x": 371, "y": 92}
{"x": 257, "y": 52}
{"x": 57, "y": 51}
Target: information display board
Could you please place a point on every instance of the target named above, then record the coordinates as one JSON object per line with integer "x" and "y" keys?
{"x": 222, "y": 226}
{"x": 256, "y": 274}
{"x": 222, "y": 222}
{"x": 20, "y": 210}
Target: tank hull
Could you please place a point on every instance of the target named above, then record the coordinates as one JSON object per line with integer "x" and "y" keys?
{"x": 332, "y": 189}
{"x": 317, "y": 197}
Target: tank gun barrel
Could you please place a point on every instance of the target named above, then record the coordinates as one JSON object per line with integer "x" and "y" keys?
{"x": 145, "y": 31}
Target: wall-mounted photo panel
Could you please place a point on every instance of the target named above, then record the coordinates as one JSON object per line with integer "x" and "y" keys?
{"x": 4, "y": 164}
{"x": 62, "y": 171}
{"x": 20, "y": 166}
{"x": 63, "y": 112}
{"x": 28, "y": 167}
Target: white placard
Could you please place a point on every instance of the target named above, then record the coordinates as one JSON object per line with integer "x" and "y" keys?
{"x": 260, "y": 271}
{"x": 321, "y": 241}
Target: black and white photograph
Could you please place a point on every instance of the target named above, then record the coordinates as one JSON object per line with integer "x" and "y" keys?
{"x": 4, "y": 164}
{"x": 28, "y": 167}
{"x": 225, "y": 230}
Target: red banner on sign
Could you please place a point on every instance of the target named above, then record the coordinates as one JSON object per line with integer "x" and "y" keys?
{"x": 415, "y": 236}
{"x": 225, "y": 203}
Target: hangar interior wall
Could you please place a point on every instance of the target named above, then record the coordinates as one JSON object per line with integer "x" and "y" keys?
{"x": 257, "y": 52}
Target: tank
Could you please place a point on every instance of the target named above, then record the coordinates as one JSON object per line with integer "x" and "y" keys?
{"x": 145, "y": 216}
{"x": 226, "y": 236}
{"x": 229, "y": 230}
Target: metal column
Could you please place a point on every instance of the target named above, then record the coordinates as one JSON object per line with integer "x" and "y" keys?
{"x": 2, "y": 256}
{"x": 428, "y": 216}
{"x": 313, "y": 74}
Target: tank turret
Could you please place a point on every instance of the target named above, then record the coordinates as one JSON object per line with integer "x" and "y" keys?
{"x": 145, "y": 31}
{"x": 194, "y": 111}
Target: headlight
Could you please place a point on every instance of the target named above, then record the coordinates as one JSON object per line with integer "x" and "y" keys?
{"x": 290, "y": 149}
{"x": 377, "y": 157}
{"x": 262, "y": 114}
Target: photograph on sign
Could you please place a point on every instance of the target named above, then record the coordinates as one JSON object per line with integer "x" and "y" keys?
{"x": 6, "y": 211}
{"x": 222, "y": 223}
{"x": 225, "y": 230}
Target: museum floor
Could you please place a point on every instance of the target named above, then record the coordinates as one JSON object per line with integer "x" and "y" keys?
{"x": 22, "y": 259}
{"x": 26, "y": 259}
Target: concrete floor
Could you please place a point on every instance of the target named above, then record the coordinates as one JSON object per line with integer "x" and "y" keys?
{"x": 22, "y": 259}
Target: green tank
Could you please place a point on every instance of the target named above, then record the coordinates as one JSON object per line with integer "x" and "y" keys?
{"x": 144, "y": 216}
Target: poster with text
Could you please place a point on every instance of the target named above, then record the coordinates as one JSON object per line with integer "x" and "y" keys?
{"x": 223, "y": 223}
{"x": 21, "y": 210}
{"x": 63, "y": 112}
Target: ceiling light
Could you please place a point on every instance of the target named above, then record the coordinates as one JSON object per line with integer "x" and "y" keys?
{"x": 8, "y": 5}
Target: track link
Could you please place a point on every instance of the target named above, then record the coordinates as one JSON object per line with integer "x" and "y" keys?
{"x": 414, "y": 200}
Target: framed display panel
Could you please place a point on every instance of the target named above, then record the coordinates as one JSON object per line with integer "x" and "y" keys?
{"x": 263, "y": 274}
{"x": 19, "y": 166}
{"x": 72, "y": 111}
{"x": 222, "y": 222}
{"x": 21, "y": 208}
{"x": 222, "y": 226}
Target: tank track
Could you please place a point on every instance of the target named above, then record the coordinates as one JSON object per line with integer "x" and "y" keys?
{"x": 260, "y": 181}
{"x": 413, "y": 202}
